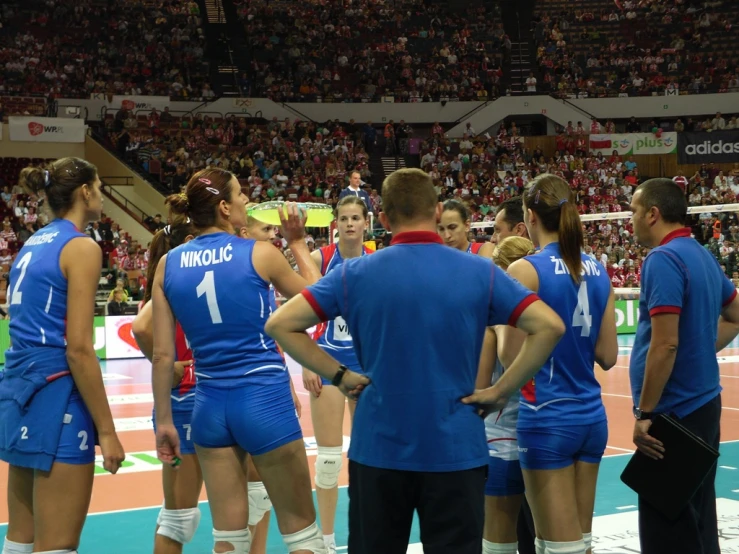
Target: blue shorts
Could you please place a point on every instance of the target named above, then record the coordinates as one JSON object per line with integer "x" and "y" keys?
{"x": 504, "y": 478}
{"x": 78, "y": 438}
{"x": 257, "y": 417}
{"x": 183, "y": 423}
{"x": 558, "y": 447}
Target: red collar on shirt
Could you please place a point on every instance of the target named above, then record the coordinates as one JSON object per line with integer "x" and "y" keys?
{"x": 416, "y": 237}
{"x": 676, "y": 234}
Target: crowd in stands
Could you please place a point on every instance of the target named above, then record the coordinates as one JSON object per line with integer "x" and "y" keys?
{"x": 637, "y": 48}
{"x": 365, "y": 50}
{"x": 74, "y": 49}
{"x": 23, "y": 214}
{"x": 281, "y": 159}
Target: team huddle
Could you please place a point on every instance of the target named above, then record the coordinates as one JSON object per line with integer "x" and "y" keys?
{"x": 226, "y": 413}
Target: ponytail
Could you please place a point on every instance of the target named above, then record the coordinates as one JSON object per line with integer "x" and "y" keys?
{"x": 571, "y": 239}
{"x": 551, "y": 198}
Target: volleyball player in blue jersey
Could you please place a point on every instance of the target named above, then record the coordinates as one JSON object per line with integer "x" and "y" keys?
{"x": 326, "y": 401}
{"x": 562, "y": 427}
{"x": 53, "y": 406}
{"x": 259, "y": 503}
{"x": 179, "y": 517}
{"x": 504, "y": 489}
{"x": 454, "y": 228}
{"x": 217, "y": 287}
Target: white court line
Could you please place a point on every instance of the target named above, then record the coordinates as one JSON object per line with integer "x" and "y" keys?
{"x": 629, "y": 507}
{"x": 616, "y": 395}
{"x": 727, "y": 467}
{"x": 621, "y": 449}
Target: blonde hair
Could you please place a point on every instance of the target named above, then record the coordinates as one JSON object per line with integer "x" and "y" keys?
{"x": 511, "y": 249}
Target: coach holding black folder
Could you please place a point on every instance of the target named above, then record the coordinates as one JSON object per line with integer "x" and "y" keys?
{"x": 687, "y": 309}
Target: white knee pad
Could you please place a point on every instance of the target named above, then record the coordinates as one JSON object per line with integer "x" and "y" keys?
{"x": 240, "y": 540}
{"x": 310, "y": 539}
{"x": 11, "y": 547}
{"x": 587, "y": 538}
{"x": 178, "y": 525}
{"x": 539, "y": 546}
{"x": 328, "y": 466}
{"x": 499, "y": 548}
{"x": 259, "y": 502}
{"x": 574, "y": 547}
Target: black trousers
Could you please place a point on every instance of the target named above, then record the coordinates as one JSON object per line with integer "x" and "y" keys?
{"x": 696, "y": 530}
{"x": 451, "y": 510}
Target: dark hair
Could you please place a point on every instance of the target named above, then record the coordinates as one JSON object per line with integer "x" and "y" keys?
{"x": 457, "y": 206}
{"x": 59, "y": 180}
{"x": 408, "y": 195}
{"x": 167, "y": 238}
{"x": 203, "y": 195}
{"x": 352, "y": 201}
{"x": 665, "y": 195}
{"x": 551, "y": 199}
{"x": 513, "y": 210}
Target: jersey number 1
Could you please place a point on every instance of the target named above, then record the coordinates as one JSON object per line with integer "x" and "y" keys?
{"x": 207, "y": 287}
{"x": 581, "y": 317}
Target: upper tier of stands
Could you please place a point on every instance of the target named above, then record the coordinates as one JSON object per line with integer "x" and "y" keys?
{"x": 366, "y": 50}
{"x": 594, "y": 47}
{"x": 72, "y": 49}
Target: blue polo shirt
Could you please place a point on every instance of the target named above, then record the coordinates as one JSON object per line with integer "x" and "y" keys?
{"x": 418, "y": 337}
{"x": 681, "y": 277}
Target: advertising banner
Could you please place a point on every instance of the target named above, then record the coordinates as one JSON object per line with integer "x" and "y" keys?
{"x": 627, "y": 315}
{"x": 136, "y": 103}
{"x": 46, "y": 129}
{"x": 633, "y": 143}
{"x": 702, "y": 148}
{"x": 119, "y": 340}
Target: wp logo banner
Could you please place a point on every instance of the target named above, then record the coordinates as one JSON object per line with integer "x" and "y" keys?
{"x": 701, "y": 148}
{"x": 46, "y": 129}
{"x": 633, "y": 143}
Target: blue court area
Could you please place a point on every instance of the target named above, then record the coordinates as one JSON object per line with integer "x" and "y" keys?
{"x": 615, "y": 528}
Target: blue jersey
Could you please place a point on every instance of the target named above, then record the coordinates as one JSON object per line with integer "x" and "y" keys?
{"x": 565, "y": 391}
{"x": 222, "y": 304}
{"x": 681, "y": 277}
{"x": 38, "y": 289}
{"x": 333, "y": 336}
{"x": 423, "y": 334}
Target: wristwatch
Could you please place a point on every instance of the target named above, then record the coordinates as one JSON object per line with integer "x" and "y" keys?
{"x": 336, "y": 381}
{"x": 641, "y": 415}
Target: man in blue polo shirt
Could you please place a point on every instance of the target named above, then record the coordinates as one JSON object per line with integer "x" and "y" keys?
{"x": 415, "y": 445}
{"x": 686, "y": 310}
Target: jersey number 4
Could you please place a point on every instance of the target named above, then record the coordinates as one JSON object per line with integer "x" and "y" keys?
{"x": 207, "y": 287}
{"x": 582, "y": 318}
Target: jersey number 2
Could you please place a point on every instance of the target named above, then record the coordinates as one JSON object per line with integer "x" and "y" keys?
{"x": 581, "y": 317}
{"x": 207, "y": 287}
{"x": 16, "y": 297}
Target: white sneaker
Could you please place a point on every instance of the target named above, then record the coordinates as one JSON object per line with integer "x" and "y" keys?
{"x": 331, "y": 549}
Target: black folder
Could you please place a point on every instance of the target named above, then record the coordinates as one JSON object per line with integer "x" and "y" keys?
{"x": 669, "y": 484}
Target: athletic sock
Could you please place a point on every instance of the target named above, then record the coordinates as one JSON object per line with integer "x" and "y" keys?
{"x": 573, "y": 547}
{"x": 499, "y": 548}
{"x": 11, "y": 547}
{"x": 329, "y": 540}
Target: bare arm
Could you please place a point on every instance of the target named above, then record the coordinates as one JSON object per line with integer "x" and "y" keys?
{"x": 488, "y": 357}
{"x": 143, "y": 330}
{"x": 287, "y": 326}
{"x": 164, "y": 347}
{"x": 728, "y": 324}
{"x": 272, "y": 266}
{"x": 606, "y": 348}
{"x": 486, "y": 250}
{"x": 81, "y": 263}
{"x": 542, "y": 329}
{"x": 660, "y": 359}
